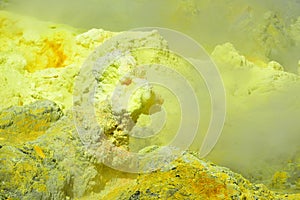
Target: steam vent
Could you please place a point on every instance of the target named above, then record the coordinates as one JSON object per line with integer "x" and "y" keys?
{"x": 140, "y": 99}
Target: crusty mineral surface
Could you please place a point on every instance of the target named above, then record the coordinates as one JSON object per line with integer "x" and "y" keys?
{"x": 42, "y": 155}
{"x": 57, "y": 166}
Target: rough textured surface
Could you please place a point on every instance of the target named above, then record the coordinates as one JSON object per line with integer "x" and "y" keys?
{"x": 53, "y": 166}
{"x": 50, "y": 165}
{"x": 189, "y": 178}
{"x": 42, "y": 156}
{"x": 56, "y": 166}
{"x": 19, "y": 124}
{"x": 39, "y": 60}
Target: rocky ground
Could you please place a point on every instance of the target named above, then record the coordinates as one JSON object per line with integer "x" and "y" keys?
{"x": 55, "y": 165}
{"x": 42, "y": 156}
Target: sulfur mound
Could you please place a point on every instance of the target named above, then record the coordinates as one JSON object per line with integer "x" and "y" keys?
{"x": 42, "y": 156}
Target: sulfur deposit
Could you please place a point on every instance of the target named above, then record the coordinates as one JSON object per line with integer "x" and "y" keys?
{"x": 42, "y": 156}
{"x": 41, "y": 59}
